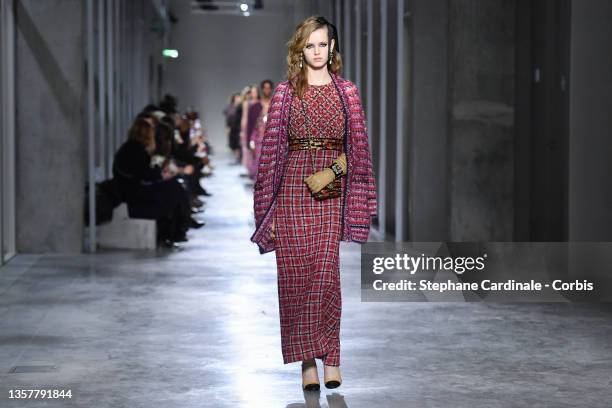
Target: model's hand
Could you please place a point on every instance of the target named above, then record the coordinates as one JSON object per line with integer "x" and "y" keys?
{"x": 320, "y": 179}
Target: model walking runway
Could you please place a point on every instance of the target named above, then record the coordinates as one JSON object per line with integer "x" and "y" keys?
{"x": 314, "y": 188}
{"x": 308, "y": 236}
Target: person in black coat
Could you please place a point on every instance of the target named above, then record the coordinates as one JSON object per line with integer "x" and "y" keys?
{"x": 233, "y": 116}
{"x": 185, "y": 154}
{"x": 147, "y": 194}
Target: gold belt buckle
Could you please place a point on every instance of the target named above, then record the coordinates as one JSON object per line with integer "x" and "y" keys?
{"x": 315, "y": 143}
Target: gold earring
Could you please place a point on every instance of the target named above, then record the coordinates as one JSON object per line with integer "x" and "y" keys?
{"x": 331, "y": 56}
{"x": 301, "y": 58}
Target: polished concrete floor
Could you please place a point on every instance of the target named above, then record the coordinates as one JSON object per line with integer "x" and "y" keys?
{"x": 199, "y": 328}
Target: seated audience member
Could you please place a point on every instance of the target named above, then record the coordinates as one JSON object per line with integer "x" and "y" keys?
{"x": 169, "y": 104}
{"x": 143, "y": 188}
{"x": 185, "y": 153}
{"x": 169, "y": 167}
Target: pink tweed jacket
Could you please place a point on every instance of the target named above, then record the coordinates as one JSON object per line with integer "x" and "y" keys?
{"x": 359, "y": 200}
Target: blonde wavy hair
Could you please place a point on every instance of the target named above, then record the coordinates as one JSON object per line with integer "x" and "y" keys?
{"x": 295, "y": 74}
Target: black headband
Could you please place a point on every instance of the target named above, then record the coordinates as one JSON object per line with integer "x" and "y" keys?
{"x": 335, "y": 37}
{"x": 333, "y": 32}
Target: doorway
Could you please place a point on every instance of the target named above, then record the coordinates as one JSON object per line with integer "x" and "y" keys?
{"x": 542, "y": 119}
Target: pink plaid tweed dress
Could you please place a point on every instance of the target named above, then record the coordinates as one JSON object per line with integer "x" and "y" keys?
{"x": 308, "y": 235}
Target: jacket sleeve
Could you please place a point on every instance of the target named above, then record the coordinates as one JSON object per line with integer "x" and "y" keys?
{"x": 263, "y": 188}
{"x": 362, "y": 151}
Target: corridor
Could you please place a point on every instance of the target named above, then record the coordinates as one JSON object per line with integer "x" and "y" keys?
{"x": 199, "y": 327}
{"x": 133, "y": 134}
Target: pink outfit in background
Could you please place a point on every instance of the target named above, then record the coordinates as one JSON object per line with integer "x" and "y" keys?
{"x": 257, "y": 138}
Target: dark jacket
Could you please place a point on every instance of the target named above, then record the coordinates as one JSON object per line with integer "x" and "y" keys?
{"x": 133, "y": 172}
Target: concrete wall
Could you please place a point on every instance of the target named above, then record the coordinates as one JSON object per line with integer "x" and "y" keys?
{"x": 590, "y": 149}
{"x": 50, "y": 83}
{"x": 481, "y": 75}
{"x": 429, "y": 203}
{"x": 219, "y": 55}
{"x": 389, "y": 118}
{"x": 373, "y": 93}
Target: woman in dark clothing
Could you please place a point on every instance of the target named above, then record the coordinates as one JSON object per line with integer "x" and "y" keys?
{"x": 143, "y": 188}
{"x": 233, "y": 116}
{"x": 185, "y": 154}
{"x": 170, "y": 167}
{"x": 238, "y": 119}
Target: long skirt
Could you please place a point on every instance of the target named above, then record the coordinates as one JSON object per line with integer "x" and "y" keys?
{"x": 307, "y": 247}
